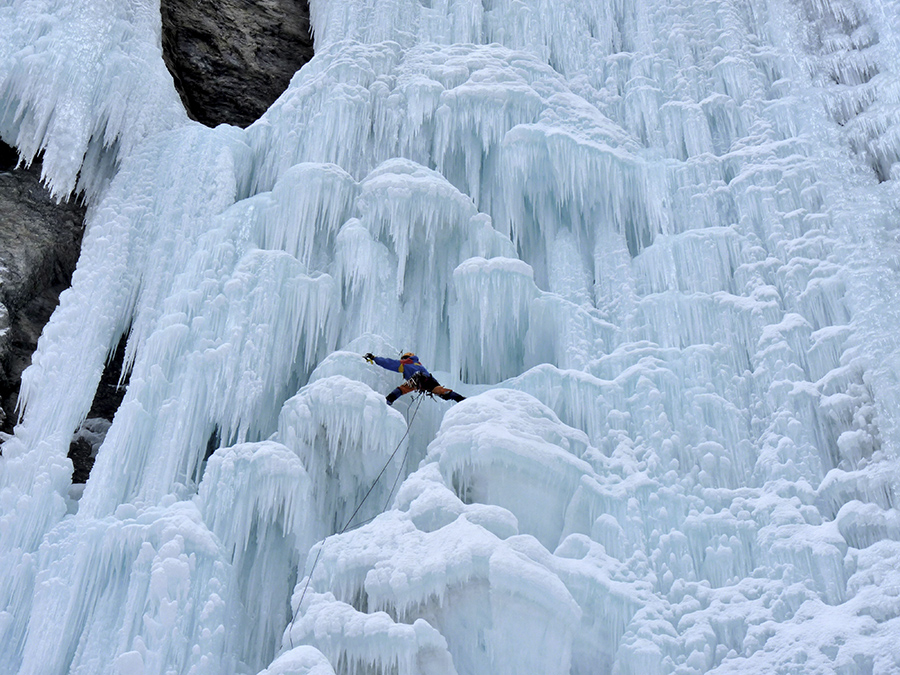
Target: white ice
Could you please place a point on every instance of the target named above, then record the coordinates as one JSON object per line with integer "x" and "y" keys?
{"x": 653, "y": 243}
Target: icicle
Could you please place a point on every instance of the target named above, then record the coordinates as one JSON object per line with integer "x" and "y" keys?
{"x": 255, "y": 499}
{"x": 73, "y": 98}
{"x": 490, "y": 318}
{"x": 344, "y": 433}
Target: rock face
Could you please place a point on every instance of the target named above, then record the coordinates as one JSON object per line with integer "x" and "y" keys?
{"x": 232, "y": 58}
{"x": 39, "y": 245}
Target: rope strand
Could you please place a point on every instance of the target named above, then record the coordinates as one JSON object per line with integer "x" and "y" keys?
{"x": 402, "y": 468}
{"x": 409, "y": 422}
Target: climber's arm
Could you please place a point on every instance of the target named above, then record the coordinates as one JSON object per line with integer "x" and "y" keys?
{"x": 387, "y": 364}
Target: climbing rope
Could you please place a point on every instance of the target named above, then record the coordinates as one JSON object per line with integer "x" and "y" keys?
{"x": 419, "y": 396}
{"x": 400, "y": 471}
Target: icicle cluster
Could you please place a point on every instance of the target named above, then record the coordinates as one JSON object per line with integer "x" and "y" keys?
{"x": 654, "y": 245}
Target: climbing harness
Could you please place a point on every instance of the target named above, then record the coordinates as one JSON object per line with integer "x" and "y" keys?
{"x": 409, "y": 422}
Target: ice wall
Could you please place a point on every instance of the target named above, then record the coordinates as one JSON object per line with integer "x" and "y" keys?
{"x": 654, "y": 243}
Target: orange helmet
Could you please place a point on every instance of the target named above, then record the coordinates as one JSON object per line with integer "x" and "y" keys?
{"x": 409, "y": 355}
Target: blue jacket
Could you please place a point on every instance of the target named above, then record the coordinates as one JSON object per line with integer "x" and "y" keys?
{"x": 406, "y": 367}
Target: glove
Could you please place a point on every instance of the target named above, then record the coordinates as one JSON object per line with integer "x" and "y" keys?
{"x": 369, "y": 357}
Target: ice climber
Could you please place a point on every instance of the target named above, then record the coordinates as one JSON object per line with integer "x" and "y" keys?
{"x": 417, "y": 378}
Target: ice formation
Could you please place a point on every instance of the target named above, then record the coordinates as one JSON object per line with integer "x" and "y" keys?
{"x": 655, "y": 245}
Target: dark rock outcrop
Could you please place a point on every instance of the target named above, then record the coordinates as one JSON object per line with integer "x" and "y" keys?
{"x": 80, "y": 452}
{"x": 231, "y": 59}
{"x": 40, "y": 240}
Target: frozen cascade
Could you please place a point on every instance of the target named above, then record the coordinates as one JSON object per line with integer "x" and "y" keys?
{"x": 654, "y": 244}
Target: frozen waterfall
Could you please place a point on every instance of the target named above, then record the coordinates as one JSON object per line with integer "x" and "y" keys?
{"x": 656, "y": 245}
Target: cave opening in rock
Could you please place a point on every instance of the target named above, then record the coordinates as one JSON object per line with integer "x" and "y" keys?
{"x": 8, "y": 157}
{"x": 231, "y": 59}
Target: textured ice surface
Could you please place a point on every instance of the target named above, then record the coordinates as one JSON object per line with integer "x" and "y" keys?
{"x": 655, "y": 245}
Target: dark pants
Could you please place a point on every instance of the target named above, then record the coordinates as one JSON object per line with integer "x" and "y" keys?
{"x": 427, "y": 384}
